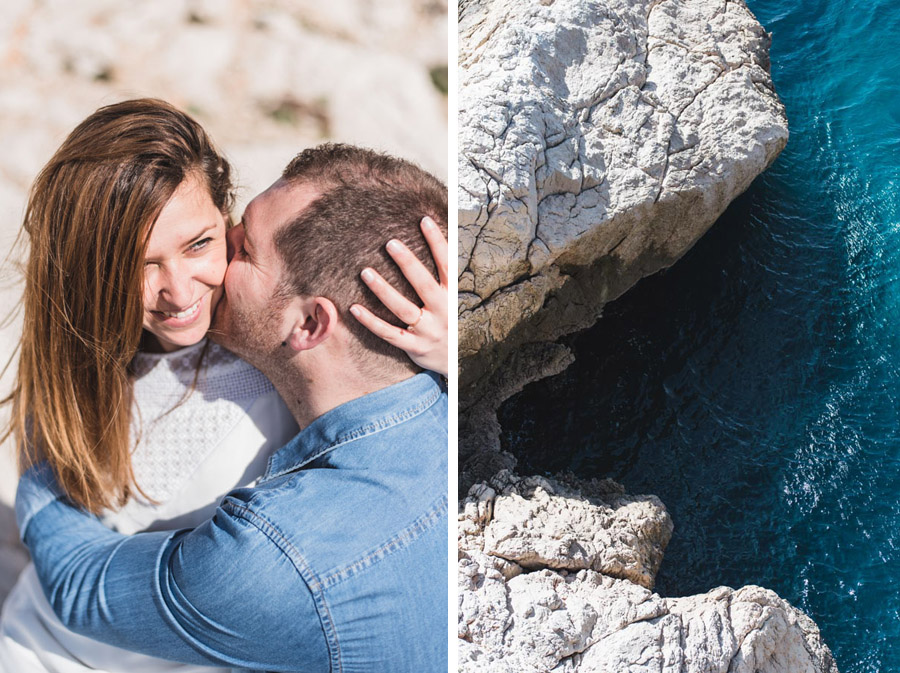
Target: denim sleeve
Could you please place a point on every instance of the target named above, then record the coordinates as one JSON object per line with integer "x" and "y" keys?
{"x": 223, "y": 593}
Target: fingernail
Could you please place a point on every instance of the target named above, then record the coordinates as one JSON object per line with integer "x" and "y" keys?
{"x": 368, "y": 275}
{"x": 355, "y": 309}
{"x": 394, "y": 246}
{"x": 428, "y": 223}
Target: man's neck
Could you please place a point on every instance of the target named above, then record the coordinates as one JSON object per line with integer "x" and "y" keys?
{"x": 309, "y": 395}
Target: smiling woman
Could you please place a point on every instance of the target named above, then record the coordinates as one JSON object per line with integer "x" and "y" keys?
{"x": 127, "y": 231}
{"x": 128, "y": 170}
{"x": 184, "y": 266}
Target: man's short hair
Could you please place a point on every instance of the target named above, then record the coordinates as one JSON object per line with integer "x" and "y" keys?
{"x": 366, "y": 198}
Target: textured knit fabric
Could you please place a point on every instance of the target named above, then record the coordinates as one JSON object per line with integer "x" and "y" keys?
{"x": 195, "y": 437}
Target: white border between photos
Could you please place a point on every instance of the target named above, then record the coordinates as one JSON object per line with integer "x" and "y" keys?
{"x": 452, "y": 223}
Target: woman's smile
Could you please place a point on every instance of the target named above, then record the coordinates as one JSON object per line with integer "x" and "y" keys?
{"x": 180, "y": 318}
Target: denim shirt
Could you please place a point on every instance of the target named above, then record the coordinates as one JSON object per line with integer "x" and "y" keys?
{"x": 335, "y": 561}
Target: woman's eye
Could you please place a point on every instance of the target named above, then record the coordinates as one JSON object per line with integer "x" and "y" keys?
{"x": 199, "y": 245}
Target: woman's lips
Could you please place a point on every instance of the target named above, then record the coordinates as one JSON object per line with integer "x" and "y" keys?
{"x": 180, "y": 318}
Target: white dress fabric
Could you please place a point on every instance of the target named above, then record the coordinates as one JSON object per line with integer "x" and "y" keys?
{"x": 192, "y": 444}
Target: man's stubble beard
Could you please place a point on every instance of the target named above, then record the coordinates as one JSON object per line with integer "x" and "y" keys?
{"x": 252, "y": 335}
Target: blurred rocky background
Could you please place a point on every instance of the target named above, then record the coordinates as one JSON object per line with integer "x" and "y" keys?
{"x": 265, "y": 77}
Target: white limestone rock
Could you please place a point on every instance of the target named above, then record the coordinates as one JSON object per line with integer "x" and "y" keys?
{"x": 599, "y": 139}
{"x": 591, "y": 623}
{"x": 536, "y": 523}
{"x": 541, "y": 588}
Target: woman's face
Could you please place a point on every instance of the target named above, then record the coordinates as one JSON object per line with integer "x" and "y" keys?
{"x": 184, "y": 267}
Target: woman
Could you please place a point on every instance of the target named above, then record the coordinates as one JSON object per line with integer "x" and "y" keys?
{"x": 143, "y": 421}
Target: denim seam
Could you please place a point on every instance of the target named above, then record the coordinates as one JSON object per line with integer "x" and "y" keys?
{"x": 363, "y": 431}
{"x": 399, "y": 541}
{"x": 316, "y": 587}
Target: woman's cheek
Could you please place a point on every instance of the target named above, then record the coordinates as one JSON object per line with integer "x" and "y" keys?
{"x": 220, "y": 262}
{"x": 210, "y": 268}
{"x": 215, "y": 296}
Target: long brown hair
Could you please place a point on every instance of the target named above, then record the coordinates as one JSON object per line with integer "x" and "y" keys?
{"x": 88, "y": 220}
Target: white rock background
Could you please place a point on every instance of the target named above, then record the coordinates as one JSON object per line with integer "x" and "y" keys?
{"x": 265, "y": 77}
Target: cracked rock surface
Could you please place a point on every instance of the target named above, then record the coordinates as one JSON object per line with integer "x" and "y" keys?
{"x": 525, "y": 604}
{"x": 598, "y": 140}
{"x": 539, "y": 523}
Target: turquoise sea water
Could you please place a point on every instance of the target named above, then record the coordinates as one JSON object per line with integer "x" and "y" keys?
{"x": 755, "y": 386}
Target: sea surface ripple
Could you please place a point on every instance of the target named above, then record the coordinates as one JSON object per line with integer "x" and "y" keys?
{"x": 754, "y": 386}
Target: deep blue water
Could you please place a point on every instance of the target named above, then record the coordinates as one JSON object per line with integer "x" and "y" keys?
{"x": 755, "y": 386}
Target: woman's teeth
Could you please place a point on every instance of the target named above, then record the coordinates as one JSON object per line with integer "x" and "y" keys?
{"x": 187, "y": 313}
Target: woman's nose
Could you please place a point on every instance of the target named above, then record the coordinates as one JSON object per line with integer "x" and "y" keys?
{"x": 176, "y": 287}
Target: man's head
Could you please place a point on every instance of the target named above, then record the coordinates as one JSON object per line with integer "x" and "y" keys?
{"x": 301, "y": 247}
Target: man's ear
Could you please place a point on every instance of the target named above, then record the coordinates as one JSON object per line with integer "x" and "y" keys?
{"x": 316, "y": 323}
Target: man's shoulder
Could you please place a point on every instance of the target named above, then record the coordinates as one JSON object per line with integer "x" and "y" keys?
{"x": 401, "y": 473}
{"x": 367, "y": 493}
{"x": 404, "y": 425}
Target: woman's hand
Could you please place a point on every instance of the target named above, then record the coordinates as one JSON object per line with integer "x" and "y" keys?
{"x": 425, "y": 339}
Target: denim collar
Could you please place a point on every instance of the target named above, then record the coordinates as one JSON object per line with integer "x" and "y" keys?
{"x": 355, "y": 419}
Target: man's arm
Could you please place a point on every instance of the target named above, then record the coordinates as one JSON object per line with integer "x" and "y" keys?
{"x": 224, "y": 593}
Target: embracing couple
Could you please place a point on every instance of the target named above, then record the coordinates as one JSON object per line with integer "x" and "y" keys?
{"x": 288, "y": 476}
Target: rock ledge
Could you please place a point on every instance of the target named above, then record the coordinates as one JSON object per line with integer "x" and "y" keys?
{"x": 516, "y": 614}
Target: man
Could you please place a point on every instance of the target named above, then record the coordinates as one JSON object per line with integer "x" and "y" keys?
{"x": 337, "y": 559}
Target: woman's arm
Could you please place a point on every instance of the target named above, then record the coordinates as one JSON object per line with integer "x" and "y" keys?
{"x": 425, "y": 339}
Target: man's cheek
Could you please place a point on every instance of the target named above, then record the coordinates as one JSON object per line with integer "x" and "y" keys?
{"x": 227, "y": 282}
